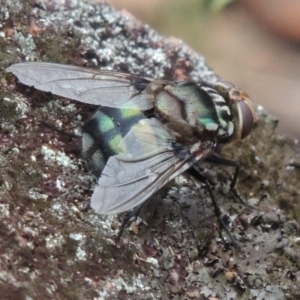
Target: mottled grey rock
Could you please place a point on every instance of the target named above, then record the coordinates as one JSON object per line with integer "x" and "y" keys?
{"x": 52, "y": 247}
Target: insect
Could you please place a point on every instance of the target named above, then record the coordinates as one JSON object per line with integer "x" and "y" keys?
{"x": 145, "y": 132}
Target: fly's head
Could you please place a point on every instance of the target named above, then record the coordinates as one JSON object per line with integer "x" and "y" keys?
{"x": 242, "y": 109}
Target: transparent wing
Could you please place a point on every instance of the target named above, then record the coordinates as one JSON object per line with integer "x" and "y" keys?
{"x": 99, "y": 87}
{"x": 146, "y": 163}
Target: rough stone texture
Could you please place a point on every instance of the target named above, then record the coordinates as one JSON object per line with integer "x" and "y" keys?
{"x": 53, "y": 247}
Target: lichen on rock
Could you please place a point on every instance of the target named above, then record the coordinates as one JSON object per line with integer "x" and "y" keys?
{"x": 54, "y": 248}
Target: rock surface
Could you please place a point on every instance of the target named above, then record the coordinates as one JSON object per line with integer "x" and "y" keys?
{"x": 52, "y": 247}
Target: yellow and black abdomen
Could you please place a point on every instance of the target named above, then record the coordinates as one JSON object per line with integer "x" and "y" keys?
{"x": 102, "y": 133}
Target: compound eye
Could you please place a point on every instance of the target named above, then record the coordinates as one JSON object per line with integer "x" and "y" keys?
{"x": 247, "y": 117}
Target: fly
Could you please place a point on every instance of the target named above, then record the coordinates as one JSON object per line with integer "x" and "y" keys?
{"x": 145, "y": 132}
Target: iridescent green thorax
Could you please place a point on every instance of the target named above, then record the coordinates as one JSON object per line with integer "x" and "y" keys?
{"x": 223, "y": 117}
{"x": 204, "y": 111}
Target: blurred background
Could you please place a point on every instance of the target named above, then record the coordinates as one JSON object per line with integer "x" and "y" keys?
{"x": 255, "y": 44}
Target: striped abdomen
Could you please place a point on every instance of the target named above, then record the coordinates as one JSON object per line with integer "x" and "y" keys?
{"x": 102, "y": 133}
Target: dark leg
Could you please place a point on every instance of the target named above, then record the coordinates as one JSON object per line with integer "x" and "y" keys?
{"x": 133, "y": 213}
{"x": 193, "y": 172}
{"x": 221, "y": 161}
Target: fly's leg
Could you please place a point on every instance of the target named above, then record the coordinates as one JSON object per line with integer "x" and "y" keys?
{"x": 131, "y": 214}
{"x": 193, "y": 172}
{"x": 221, "y": 161}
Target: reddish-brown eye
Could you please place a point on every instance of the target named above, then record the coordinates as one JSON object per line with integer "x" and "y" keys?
{"x": 247, "y": 117}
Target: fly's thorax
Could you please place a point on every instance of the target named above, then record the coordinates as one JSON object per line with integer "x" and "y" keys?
{"x": 196, "y": 108}
{"x": 154, "y": 88}
{"x": 170, "y": 110}
{"x": 182, "y": 105}
{"x": 241, "y": 107}
{"x": 102, "y": 134}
